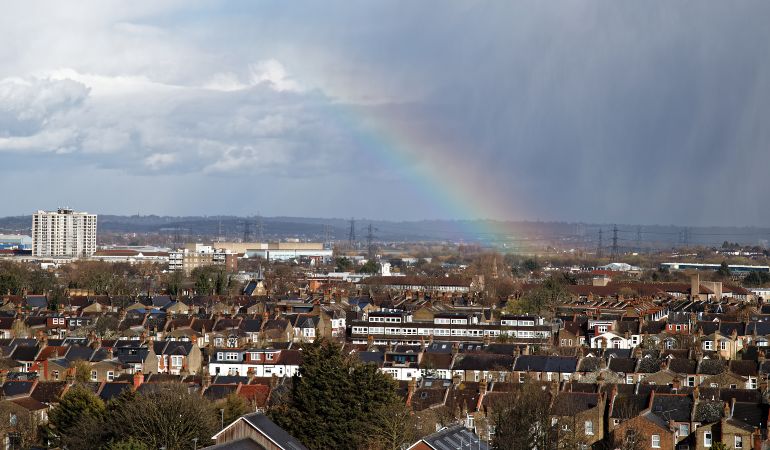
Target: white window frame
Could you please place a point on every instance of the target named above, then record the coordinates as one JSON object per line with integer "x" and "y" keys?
{"x": 589, "y": 428}
{"x": 738, "y": 442}
{"x": 707, "y": 438}
{"x": 655, "y": 441}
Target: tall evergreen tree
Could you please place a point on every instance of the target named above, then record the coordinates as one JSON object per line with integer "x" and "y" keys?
{"x": 334, "y": 399}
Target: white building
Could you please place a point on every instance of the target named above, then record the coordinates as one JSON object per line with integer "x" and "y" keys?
{"x": 63, "y": 233}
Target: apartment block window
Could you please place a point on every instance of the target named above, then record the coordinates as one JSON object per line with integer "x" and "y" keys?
{"x": 738, "y": 442}
{"x": 655, "y": 441}
{"x": 707, "y": 439}
{"x": 589, "y": 426}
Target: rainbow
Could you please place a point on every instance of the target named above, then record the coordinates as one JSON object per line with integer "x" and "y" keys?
{"x": 461, "y": 193}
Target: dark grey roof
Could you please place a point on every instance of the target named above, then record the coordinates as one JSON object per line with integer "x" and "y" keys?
{"x": 483, "y": 361}
{"x": 541, "y": 363}
{"x": 712, "y": 366}
{"x": 240, "y": 444}
{"x": 751, "y": 413}
{"x": 273, "y": 431}
{"x": 454, "y": 437}
{"x": 113, "y": 389}
{"x": 24, "y": 353}
{"x": 79, "y": 352}
{"x": 672, "y": 407}
{"x": 12, "y": 388}
{"x": 622, "y": 365}
{"x": 371, "y": 357}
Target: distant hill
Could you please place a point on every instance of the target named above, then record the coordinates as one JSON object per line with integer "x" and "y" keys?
{"x": 512, "y": 234}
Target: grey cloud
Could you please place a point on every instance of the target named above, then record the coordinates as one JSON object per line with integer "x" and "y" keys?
{"x": 27, "y": 105}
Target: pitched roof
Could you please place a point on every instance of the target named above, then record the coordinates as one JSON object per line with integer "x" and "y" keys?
{"x": 541, "y": 363}
{"x": 571, "y": 403}
{"x": 273, "y": 432}
{"x": 456, "y": 436}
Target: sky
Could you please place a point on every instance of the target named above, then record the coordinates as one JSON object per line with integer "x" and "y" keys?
{"x": 601, "y": 111}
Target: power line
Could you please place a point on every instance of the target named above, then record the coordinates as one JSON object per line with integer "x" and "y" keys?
{"x": 599, "y": 246}
{"x": 352, "y": 233}
{"x": 260, "y": 228}
{"x": 246, "y": 230}
{"x": 370, "y": 242}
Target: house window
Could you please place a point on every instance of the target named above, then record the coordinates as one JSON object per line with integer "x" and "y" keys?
{"x": 521, "y": 377}
{"x": 708, "y": 345}
{"x": 629, "y": 379}
{"x": 589, "y": 426}
{"x": 684, "y": 430}
{"x": 55, "y": 374}
{"x": 269, "y": 356}
{"x": 707, "y": 439}
{"x": 94, "y": 375}
{"x": 176, "y": 361}
{"x": 691, "y": 381}
{"x": 231, "y": 356}
{"x": 110, "y": 375}
{"x": 738, "y": 442}
{"x": 723, "y": 345}
{"x": 655, "y": 440}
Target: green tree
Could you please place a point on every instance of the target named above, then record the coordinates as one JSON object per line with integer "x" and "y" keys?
{"x": 174, "y": 282}
{"x": 203, "y": 284}
{"x": 11, "y": 279}
{"x": 371, "y": 267}
{"x": 530, "y": 265}
{"x": 724, "y": 270}
{"x": 343, "y": 264}
{"x": 234, "y": 406}
{"x": 334, "y": 399}
{"x": 542, "y": 300}
{"x": 77, "y": 405}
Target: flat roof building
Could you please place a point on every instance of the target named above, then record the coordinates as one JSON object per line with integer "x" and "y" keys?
{"x": 63, "y": 233}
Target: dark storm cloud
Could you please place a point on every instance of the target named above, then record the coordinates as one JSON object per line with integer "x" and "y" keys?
{"x": 635, "y": 112}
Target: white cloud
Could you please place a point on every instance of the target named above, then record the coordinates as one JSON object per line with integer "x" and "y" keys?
{"x": 158, "y": 161}
{"x": 26, "y": 104}
{"x": 272, "y": 72}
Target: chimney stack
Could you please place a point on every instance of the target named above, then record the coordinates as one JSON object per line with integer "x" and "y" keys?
{"x": 138, "y": 379}
{"x": 694, "y": 286}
